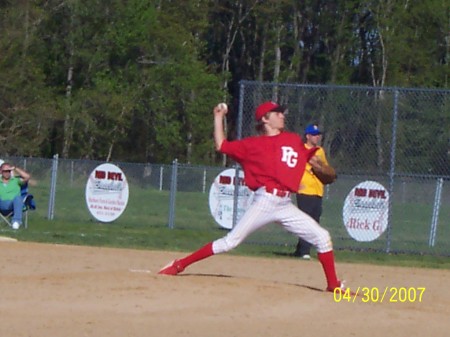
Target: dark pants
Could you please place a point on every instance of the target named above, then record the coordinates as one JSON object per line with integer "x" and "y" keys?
{"x": 311, "y": 205}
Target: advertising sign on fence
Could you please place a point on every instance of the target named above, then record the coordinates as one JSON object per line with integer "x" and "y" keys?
{"x": 366, "y": 210}
{"x": 221, "y": 197}
{"x": 107, "y": 192}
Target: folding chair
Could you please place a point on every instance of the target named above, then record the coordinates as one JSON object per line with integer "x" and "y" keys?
{"x": 28, "y": 205}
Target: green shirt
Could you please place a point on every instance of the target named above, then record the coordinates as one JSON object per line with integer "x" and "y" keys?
{"x": 10, "y": 189}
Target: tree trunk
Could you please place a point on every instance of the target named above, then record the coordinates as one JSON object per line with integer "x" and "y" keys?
{"x": 277, "y": 64}
{"x": 233, "y": 29}
{"x": 337, "y": 54}
{"x": 26, "y": 39}
{"x": 263, "y": 54}
{"x": 116, "y": 131}
{"x": 68, "y": 127}
{"x": 298, "y": 45}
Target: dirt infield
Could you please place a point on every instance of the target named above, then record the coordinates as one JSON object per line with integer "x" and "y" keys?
{"x": 57, "y": 290}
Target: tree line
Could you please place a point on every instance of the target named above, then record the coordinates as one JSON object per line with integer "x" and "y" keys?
{"x": 136, "y": 80}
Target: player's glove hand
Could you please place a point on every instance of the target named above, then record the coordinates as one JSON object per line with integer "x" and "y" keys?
{"x": 325, "y": 173}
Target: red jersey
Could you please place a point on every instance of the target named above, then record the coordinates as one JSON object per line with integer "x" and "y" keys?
{"x": 271, "y": 161}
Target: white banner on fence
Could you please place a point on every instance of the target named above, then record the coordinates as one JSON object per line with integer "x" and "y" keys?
{"x": 221, "y": 197}
{"x": 366, "y": 210}
{"x": 107, "y": 192}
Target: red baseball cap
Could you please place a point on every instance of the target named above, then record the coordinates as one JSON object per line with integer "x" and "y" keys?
{"x": 266, "y": 107}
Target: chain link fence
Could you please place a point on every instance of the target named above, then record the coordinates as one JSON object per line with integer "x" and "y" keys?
{"x": 394, "y": 138}
{"x": 391, "y": 149}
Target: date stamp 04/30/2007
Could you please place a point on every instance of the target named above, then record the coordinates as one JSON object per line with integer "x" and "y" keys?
{"x": 377, "y": 295}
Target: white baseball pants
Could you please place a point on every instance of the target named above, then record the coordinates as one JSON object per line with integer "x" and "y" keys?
{"x": 267, "y": 208}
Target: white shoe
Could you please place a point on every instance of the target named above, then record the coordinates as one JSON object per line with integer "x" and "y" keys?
{"x": 15, "y": 225}
{"x": 306, "y": 257}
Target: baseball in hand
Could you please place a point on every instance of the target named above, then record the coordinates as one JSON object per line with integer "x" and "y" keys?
{"x": 223, "y": 106}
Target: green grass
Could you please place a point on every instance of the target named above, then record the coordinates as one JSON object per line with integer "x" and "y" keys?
{"x": 144, "y": 226}
{"x": 186, "y": 240}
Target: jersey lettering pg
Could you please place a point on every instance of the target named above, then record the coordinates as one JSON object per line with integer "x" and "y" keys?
{"x": 289, "y": 156}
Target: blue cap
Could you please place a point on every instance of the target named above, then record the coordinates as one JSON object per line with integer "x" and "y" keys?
{"x": 312, "y": 129}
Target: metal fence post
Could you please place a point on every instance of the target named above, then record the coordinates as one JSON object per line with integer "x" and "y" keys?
{"x": 240, "y": 110}
{"x": 51, "y": 200}
{"x": 392, "y": 170}
{"x": 204, "y": 181}
{"x": 71, "y": 172}
{"x": 236, "y": 195}
{"x": 173, "y": 192}
{"x": 239, "y": 136}
{"x": 436, "y": 207}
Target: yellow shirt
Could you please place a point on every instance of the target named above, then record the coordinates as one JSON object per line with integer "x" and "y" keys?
{"x": 310, "y": 184}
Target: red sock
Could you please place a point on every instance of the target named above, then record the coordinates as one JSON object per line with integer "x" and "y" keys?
{"x": 327, "y": 261}
{"x": 202, "y": 253}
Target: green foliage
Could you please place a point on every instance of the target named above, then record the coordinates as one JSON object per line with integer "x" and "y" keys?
{"x": 25, "y": 105}
{"x": 117, "y": 65}
{"x": 136, "y": 80}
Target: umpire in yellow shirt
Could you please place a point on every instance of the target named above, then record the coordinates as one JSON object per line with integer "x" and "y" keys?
{"x": 310, "y": 193}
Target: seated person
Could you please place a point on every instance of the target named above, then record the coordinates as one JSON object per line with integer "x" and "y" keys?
{"x": 13, "y": 178}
